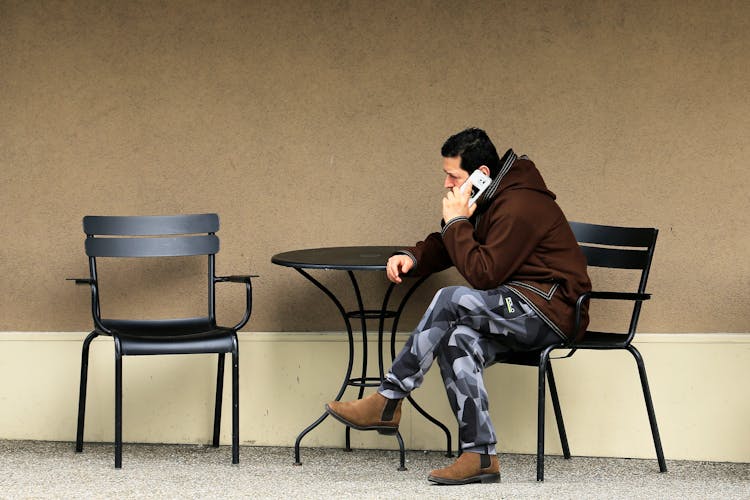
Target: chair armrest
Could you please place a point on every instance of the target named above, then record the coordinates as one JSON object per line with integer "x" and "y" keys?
{"x": 246, "y": 279}
{"x": 582, "y": 299}
{"x": 94, "y": 302}
{"x": 586, "y": 297}
{"x": 620, "y": 296}
{"x": 82, "y": 281}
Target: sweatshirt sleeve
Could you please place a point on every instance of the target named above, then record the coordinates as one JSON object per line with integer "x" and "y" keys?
{"x": 511, "y": 238}
{"x": 429, "y": 256}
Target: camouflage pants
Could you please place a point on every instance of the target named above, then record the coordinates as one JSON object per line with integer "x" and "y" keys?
{"x": 467, "y": 330}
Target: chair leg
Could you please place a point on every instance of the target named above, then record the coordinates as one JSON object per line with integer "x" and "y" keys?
{"x": 540, "y": 424}
{"x": 649, "y": 408}
{"x": 82, "y": 390}
{"x": 219, "y": 391}
{"x": 236, "y": 405}
{"x": 543, "y": 368}
{"x": 541, "y": 386}
{"x": 118, "y": 405}
{"x": 558, "y": 412}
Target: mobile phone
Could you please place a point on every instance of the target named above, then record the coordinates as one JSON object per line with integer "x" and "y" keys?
{"x": 479, "y": 182}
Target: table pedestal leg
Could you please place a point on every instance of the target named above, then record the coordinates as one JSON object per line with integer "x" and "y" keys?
{"x": 402, "y": 453}
{"x": 348, "y": 439}
{"x": 345, "y": 383}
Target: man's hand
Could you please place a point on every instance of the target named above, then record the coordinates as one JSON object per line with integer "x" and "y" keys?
{"x": 398, "y": 264}
{"x": 456, "y": 203}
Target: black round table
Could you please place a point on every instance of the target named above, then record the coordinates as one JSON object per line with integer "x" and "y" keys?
{"x": 351, "y": 259}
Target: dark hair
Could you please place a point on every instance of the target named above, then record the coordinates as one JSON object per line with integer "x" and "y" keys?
{"x": 475, "y": 149}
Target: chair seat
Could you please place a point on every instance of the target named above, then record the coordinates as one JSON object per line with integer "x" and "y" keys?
{"x": 218, "y": 340}
{"x": 525, "y": 358}
{"x": 592, "y": 340}
{"x": 602, "y": 340}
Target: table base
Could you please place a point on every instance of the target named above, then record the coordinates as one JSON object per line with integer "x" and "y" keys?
{"x": 365, "y": 381}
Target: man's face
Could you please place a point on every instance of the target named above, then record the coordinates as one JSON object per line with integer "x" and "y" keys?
{"x": 455, "y": 176}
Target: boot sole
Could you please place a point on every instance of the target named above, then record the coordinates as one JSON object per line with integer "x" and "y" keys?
{"x": 481, "y": 478}
{"x": 385, "y": 430}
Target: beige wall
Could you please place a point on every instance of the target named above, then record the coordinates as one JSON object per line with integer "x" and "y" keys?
{"x": 637, "y": 113}
{"x": 169, "y": 399}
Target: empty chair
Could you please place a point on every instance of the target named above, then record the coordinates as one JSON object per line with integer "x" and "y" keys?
{"x": 160, "y": 237}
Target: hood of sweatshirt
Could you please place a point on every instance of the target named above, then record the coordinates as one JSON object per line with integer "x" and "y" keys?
{"x": 515, "y": 173}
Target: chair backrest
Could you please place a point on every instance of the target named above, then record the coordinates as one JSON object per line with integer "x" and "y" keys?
{"x": 154, "y": 236}
{"x": 196, "y": 235}
{"x": 618, "y": 247}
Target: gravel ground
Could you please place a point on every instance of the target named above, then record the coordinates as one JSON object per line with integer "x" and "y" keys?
{"x": 38, "y": 469}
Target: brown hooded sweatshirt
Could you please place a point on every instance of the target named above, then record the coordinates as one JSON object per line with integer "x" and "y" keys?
{"x": 518, "y": 237}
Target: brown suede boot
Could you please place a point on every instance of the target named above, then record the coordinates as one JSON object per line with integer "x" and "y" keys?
{"x": 375, "y": 412}
{"x": 469, "y": 468}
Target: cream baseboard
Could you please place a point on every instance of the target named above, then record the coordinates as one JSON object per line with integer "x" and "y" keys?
{"x": 696, "y": 382}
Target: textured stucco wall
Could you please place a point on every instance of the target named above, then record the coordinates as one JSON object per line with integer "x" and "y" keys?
{"x": 319, "y": 123}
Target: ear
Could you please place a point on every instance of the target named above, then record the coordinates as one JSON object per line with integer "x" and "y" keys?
{"x": 484, "y": 170}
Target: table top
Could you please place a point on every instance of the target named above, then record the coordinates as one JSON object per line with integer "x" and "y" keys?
{"x": 362, "y": 258}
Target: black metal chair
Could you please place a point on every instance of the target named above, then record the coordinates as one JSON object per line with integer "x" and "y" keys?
{"x": 160, "y": 236}
{"x": 607, "y": 247}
